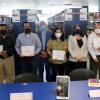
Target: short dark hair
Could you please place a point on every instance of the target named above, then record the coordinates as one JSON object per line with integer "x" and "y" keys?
{"x": 81, "y": 33}
{"x": 42, "y": 23}
{"x": 53, "y": 37}
{"x": 25, "y": 23}
{"x": 4, "y": 25}
{"x": 94, "y": 24}
{"x": 76, "y": 26}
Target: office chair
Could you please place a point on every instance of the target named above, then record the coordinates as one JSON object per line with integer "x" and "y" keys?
{"x": 81, "y": 74}
{"x": 27, "y": 77}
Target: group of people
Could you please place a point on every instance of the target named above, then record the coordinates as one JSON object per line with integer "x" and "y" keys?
{"x": 49, "y": 50}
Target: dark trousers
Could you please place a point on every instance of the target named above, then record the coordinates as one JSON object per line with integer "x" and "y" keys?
{"x": 56, "y": 69}
{"x": 76, "y": 65}
{"x": 28, "y": 65}
{"x": 41, "y": 63}
{"x": 66, "y": 68}
{"x": 95, "y": 66}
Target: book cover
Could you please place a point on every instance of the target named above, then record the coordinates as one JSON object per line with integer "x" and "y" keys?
{"x": 63, "y": 87}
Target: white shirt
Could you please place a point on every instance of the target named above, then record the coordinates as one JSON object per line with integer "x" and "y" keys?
{"x": 75, "y": 50}
{"x": 92, "y": 50}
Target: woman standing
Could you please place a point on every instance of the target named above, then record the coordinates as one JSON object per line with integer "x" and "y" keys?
{"x": 77, "y": 46}
{"x": 57, "y": 46}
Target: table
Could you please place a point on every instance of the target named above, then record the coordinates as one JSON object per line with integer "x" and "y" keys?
{"x": 45, "y": 91}
{"x": 79, "y": 91}
{"x": 41, "y": 91}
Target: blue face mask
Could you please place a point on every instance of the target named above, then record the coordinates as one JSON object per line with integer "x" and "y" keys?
{"x": 43, "y": 28}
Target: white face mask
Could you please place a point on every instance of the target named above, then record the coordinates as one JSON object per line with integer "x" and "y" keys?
{"x": 58, "y": 35}
{"x": 97, "y": 31}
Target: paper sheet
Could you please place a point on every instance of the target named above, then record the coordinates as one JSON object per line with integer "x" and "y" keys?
{"x": 27, "y": 50}
{"x": 58, "y": 55}
{"x": 94, "y": 93}
{"x": 21, "y": 96}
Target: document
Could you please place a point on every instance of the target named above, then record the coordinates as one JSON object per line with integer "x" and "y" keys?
{"x": 58, "y": 55}
{"x": 1, "y": 48}
{"x": 94, "y": 93}
{"x": 27, "y": 50}
{"x": 21, "y": 96}
{"x": 63, "y": 87}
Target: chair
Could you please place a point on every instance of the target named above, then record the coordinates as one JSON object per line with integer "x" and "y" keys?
{"x": 27, "y": 77}
{"x": 81, "y": 74}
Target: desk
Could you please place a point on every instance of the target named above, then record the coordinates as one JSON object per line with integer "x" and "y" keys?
{"x": 41, "y": 91}
{"x": 79, "y": 91}
{"x": 46, "y": 91}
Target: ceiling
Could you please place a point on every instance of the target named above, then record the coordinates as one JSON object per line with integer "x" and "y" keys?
{"x": 48, "y": 6}
{"x": 41, "y": 3}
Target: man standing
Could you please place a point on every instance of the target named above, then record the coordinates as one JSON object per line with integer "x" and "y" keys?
{"x": 28, "y": 46}
{"x": 6, "y": 55}
{"x": 94, "y": 49}
{"x": 44, "y": 36}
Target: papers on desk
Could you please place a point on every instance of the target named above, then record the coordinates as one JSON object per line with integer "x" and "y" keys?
{"x": 58, "y": 55}
{"x": 27, "y": 50}
{"x": 21, "y": 96}
{"x": 94, "y": 93}
{"x": 63, "y": 87}
{"x": 1, "y": 48}
{"x": 93, "y": 83}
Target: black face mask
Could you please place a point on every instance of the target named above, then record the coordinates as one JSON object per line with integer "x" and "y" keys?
{"x": 3, "y": 32}
{"x": 78, "y": 31}
{"x": 27, "y": 30}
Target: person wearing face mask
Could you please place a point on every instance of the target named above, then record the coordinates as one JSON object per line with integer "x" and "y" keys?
{"x": 77, "y": 47}
{"x": 44, "y": 36}
{"x": 94, "y": 49}
{"x": 6, "y": 55}
{"x": 30, "y": 44}
{"x": 57, "y": 43}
